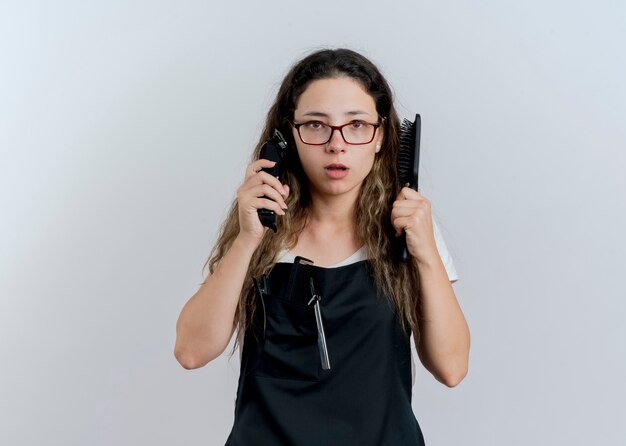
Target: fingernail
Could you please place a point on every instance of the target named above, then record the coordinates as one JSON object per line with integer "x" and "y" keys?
{"x": 284, "y": 206}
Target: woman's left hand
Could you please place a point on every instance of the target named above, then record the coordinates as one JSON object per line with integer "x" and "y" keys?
{"x": 411, "y": 213}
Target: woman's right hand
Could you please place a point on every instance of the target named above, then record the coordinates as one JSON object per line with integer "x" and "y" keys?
{"x": 257, "y": 184}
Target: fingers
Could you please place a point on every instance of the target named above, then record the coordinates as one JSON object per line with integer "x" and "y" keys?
{"x": 267, "y": 191}
{"x": 404, "y": 222}
{"x": 256, "y": 166}
{"x": 417, "y": 213}
{"x": 401, "y": 205}
{"x": 406, "y": 193}
{"x": 255, "y": 175}
{"x": 261, "y": 190}
{"x": 406, "y": 196}
{"x": 401, "y": 224}
{"x": 265, "y": 203}
{"x": 409, "y": 208}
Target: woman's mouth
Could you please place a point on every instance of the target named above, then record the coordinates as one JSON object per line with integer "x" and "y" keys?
{"x": 336, "y": 171}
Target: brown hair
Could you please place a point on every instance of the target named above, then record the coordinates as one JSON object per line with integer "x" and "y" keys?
{"x": 372, "y": 220}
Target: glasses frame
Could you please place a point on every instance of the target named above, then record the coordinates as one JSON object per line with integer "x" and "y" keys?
{"x": 336, "y": 127}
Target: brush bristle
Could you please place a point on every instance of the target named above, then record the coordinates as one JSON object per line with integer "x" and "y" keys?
{"x": 406, "y": 153}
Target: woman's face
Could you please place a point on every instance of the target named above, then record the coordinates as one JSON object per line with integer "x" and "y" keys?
{"x": 336, "y": 102}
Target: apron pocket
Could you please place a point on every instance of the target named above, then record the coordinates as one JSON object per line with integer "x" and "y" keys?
{"x": 289, "y": 348}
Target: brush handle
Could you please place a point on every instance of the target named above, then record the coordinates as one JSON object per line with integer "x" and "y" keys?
{"x": 400, "y": 248}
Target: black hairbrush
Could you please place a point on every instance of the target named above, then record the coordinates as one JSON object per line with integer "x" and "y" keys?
{"x": 408, "y": 168}
{"x": 273, "y": 150}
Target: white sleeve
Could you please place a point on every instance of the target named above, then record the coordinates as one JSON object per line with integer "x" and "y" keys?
{"x": 446, "y": 258}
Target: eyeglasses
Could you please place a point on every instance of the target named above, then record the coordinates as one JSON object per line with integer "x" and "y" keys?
{"x": 317, "y": 133}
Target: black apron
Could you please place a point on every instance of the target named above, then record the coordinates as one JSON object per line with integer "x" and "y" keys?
{"x": 286, "y": 393}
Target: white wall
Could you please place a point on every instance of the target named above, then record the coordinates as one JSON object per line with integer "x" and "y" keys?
{"x": 124, "y": 131}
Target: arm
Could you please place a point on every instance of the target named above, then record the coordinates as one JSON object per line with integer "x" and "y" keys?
{"x": 206, "y": 322}
{"x": 444, "y": 342}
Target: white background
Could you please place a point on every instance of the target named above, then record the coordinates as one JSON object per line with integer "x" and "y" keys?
{"x": 125, "y": 128}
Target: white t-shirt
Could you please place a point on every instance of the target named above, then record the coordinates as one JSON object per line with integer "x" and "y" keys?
{"x": 286, "y": 256}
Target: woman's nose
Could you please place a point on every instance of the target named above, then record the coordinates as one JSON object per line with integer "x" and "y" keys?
{"x": 336, "y": 143}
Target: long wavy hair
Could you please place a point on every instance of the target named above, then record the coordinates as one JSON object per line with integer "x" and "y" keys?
{"x": 372, "y": 215}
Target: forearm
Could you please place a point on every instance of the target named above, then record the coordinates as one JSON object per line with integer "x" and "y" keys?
{"x": 444, "y": 335}
{"x": 206, "y": 322}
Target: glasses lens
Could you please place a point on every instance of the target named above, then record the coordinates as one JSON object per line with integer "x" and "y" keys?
{"x": 358, "y": 132}
{"x": 314, "y": 133}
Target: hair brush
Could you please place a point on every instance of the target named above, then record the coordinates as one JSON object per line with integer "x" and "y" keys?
{"x": 408, "y": 168}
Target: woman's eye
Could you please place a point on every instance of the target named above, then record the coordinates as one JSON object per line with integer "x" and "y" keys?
{"x": 315, "y": 125}
{"x": 357, "y": 125}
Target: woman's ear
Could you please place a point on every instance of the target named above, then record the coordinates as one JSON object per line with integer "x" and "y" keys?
{"x": 379, "y": 143}
{"x": 381, "y": 132}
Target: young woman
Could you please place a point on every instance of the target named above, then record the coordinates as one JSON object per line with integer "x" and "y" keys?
{"x": 326, "y": 351}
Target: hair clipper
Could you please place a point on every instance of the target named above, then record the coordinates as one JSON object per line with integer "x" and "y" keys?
{"x": 273, "y": 150}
